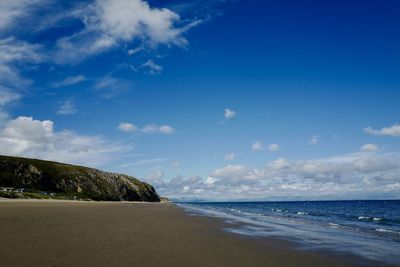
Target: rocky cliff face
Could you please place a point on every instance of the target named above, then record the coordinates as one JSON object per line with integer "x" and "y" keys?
{"x": 76, "y": 181}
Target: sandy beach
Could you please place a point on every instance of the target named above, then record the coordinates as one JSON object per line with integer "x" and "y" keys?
{"x": 71, "y": 233}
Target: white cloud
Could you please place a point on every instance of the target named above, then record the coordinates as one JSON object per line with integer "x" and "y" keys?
{"x": 12, "y": 50}
{"x": 155, "y": 177}
{"x": 12, "y": 11}
{"x": 130, "y": 19}
{"x": 314, "y": 140}
{"x": 391, "y": 131}
{"x": 67, "y": 108}
{"x": 27, "y": 137}
{"x": 134, "y": 51}
{"x": 369, "y": 148}
{"x": 108, "y": 23}
{"x": 147, "y": 129}
{"x": 127, "y": 127}
{"x": 7, "y": 97}
{"x": 152, "y": 67}
{"x": 10, "y": 79}
{"x": 142, "y": 162}
{"x": 229, "y": 113}
{"x": 230, "y": 156}
{"x": 257, "y": 146}
{"x": 278, "y": 164}
{"x": 110, "y": 86}
{"x": 273, "y": 147}
{"x": 70, "y": 81}
{"x": 233, "y": 172}
{"x": 154, "y": 128}
{"x": 166, "y": 129}
{"x": 355, "y": 175}
{"x": 12, "y": 84}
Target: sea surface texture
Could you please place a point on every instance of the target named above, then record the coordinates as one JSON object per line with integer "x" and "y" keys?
{"x": 370, "y": 229}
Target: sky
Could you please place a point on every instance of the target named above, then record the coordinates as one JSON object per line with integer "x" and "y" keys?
{"x": 211, "y": 100}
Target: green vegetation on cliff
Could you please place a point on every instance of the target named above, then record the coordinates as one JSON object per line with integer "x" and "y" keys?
{"x": 46, "y": 179}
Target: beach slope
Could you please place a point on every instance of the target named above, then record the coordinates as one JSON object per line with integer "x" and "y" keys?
{"x": 68, "y": 233}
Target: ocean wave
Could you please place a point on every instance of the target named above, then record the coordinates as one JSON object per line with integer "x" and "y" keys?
{"x": 367, "y": 218}
{"x": 235, "y": 210}
{"x": 386, "y": 231}
{"x": 302, "y": 213}
{"x": 277, "y": 210}
{"x": 337, "y": 226}
{"x": 311, "y": 227}
{"x": 334, "y": 225}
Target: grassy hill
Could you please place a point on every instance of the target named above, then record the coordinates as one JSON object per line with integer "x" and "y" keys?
{"x": 46, "y": 179}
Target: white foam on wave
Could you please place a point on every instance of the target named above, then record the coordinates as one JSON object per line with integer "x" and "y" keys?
{"x": 279, "y": 210}
{"x": 301, "y": 213}
{"x": 235, "y": 210}
{"x": 377, "y": 219}
{"x": 334, "y": 225}
{"x": 364, "y": 218}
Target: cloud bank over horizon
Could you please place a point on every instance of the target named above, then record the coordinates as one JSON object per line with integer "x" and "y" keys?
{"x": 356, "y": 175}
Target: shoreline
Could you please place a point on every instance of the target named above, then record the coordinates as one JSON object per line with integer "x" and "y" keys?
{"x": 285, "y": 244}
{"x": 35, "y": 200}
{"x": 61, "y": 233}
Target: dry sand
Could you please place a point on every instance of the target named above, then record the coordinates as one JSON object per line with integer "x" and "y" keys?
{"x": 68, "y": 233}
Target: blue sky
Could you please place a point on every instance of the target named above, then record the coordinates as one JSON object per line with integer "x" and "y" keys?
{"x": 209, "y": 99}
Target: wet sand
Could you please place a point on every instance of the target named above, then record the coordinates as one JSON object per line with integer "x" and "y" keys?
{"x": 72, "y": 233}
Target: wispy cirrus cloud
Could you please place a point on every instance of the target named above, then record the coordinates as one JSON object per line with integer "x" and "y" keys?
{"x": 67, "y": 108}
{"x": 71, "y": 80}
{"x": 134, "y": 51}
{"x": 110, "y": 86}
{"x": 142, "y": 162}
{"x": 12, "y": 84}
{"x": 151, "y": 67}
{"x": 230, "y": 156}
{"x": 314, "y": 140}
{"x": 13, "y": 51}
{"x": 7, "y": 97}
{"x": 12, "y": 11}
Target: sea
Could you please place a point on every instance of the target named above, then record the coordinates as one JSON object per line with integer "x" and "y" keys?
{"x": 369, "y": 229}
